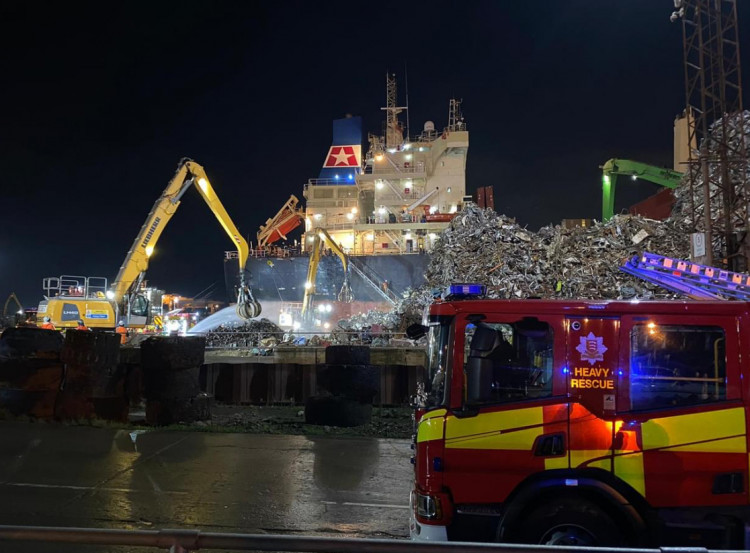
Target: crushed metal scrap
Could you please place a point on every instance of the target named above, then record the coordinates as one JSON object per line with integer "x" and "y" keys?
{"x": 556, "y": 262}
{"x": 260, "y": 333}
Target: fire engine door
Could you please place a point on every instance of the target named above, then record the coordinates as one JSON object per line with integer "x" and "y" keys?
{"x": 592, "y": 376}
{"x": 683, "y": 435}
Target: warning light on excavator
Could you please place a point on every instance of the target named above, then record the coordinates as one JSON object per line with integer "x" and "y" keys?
{"x": 149, "y": 250}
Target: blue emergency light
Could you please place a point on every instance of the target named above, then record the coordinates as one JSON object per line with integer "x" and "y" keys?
{"x": 467, "y": 290}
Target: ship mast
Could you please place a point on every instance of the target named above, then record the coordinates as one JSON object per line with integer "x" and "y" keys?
{"x": 394, "y": 132}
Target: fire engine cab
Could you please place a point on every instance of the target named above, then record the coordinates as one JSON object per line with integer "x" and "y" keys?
{"x": 583, "y": 423}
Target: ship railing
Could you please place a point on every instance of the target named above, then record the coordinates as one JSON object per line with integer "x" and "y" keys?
{"x": 275, "y": 252}
{"x": 330, "y": 182}
{"x": 263, "y": 344}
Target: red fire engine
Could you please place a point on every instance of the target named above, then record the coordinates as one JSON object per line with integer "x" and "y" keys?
{"x": 584, "y": 422}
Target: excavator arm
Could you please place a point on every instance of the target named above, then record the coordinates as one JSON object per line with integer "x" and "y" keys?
{"x": 130, "y": 275}
{"x": 15, "y": 299}
{"x": 614, "y": 167}
{"x": 345, "y": 294}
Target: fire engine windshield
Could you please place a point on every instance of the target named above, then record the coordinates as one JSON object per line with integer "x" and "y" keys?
{"x": 437, "y": 364}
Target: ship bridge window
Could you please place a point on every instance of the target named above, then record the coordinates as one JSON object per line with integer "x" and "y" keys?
{"x": 676, "y": 365}
{"x": 323, "y": 193}
{"x": 506, "y": 362}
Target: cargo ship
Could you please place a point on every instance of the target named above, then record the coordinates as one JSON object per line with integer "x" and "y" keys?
{"x": 382, "y": 210}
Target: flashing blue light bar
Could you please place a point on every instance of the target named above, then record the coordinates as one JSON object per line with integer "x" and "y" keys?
{"x": 467, "y": 290}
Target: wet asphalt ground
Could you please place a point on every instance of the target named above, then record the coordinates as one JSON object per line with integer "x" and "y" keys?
{"x": 77, "y": 476}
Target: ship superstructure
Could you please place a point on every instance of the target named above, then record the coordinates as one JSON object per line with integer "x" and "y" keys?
{"x": 403, "y": 193}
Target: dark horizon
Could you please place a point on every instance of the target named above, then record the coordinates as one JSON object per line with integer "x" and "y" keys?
{"x": 101, "y": 102}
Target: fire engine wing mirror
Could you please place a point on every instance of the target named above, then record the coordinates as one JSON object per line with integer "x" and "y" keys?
{"x": 416, "y": 331}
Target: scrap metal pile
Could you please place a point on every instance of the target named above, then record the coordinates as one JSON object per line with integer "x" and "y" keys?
{"x": 556, "y": 262}
{"x": 689, "y": 204}
{"x": 260, "y": 333}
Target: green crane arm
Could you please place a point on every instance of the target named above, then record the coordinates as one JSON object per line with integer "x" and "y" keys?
{"x": 614, "y": 167}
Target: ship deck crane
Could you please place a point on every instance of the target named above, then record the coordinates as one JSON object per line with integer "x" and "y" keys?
{"x": 322, "y": 238}
{"x": 698, "y": 282}
{"x": 637, "y": 170}
{"x": 285, "y": 221}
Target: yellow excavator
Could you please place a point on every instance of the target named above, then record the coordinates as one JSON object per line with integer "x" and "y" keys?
{"x": 322, "y": 238}
{"x": 72, "y": 298}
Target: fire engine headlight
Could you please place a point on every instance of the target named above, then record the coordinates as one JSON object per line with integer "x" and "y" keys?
{"x": 428, "y": 507}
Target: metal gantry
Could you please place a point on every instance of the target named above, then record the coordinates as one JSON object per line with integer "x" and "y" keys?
{"x": 713, "y": 90}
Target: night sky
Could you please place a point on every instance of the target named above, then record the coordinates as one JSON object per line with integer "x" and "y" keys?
{"x": 101, "y": 100}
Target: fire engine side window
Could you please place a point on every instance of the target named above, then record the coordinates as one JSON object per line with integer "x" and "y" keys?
{"x": 676, "y": 365}
{"x": 508, "y": 361}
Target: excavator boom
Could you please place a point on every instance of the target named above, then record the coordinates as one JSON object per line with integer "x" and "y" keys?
{"x": 614, "y": 167}
{"x": 136, "y": 261}
{"x": 323, "y": 238}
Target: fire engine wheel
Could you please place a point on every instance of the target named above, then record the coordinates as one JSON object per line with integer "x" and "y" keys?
{"x": 570, "y": 521}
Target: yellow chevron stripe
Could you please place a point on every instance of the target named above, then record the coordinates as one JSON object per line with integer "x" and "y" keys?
{"x": 629, "y": 467}
{"x": 720, "y": 431}
{"x": 515, "y": 429}
{"x": 431, "y": 426}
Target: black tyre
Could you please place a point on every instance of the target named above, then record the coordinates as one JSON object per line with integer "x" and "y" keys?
{"x": 336, "y": 411}
{"x": 571, "y": 521}
{"x": 86, "y": 352}
{"x": 111, "y": 408}
{"x": 30, "y": 343}
{"x": 173, "y": 411}
{"x": 348, "y": 355}
{"x": 182, "y": 384}
{"x": 360, "y": 382}
{"x": 37, "y": 403}
{"x": 172, "y": 353}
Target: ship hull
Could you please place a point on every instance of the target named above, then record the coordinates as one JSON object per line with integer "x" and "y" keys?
{"x": 278, "y": 282}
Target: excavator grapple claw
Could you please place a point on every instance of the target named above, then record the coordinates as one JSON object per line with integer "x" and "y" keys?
{"x": 247, "y": 306}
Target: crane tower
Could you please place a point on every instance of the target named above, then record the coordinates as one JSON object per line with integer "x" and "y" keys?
{"x": 719, "y": 199}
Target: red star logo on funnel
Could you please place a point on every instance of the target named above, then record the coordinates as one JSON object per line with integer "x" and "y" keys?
{"x": 343, "y": 156}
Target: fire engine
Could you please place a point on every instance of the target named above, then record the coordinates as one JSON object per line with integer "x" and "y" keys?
{"x": 615, "y": 423}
